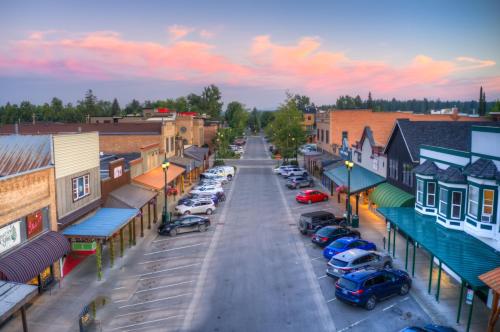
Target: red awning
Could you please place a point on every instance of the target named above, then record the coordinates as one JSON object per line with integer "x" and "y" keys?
{"x": 164, "y": 110}
{"x": 30, "y": 260}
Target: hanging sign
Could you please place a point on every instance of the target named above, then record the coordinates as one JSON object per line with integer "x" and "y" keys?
{"x": 388, "y": 226}
{"x": 10, "y": 236}
{"x": 469, "y": 296}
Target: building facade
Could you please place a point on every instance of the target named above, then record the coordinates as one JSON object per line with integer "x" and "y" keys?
{"x": 368, "y": 154}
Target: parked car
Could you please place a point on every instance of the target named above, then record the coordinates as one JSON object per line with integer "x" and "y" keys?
{"x": 294, "y": 171}
{"x": 196, "y": 206}
{"x": 278, "y": 170}
{"x": 184, "y": 224}
{"x": 366, "y": 287}
{"x": 299, "y": 182}
{"x": 284, "y": 170}
{"x": 207, "y": 189}
{"x": 326, "y": 235}
{"x": 356, "y": 259}
{"x": 225, "y": 171}
{"x": 310, "y": 222}
{"x": 429, "y": 328}
{"x": 208, "y": 183}
{"x": 346, "y": 243}
{"x": 239, "y": 141}
{"x": 215, "y": 198}
{"x": 311, "y": 196}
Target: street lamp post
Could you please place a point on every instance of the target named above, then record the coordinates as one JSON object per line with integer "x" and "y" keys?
{"x": 165, "y": 216}
{"x": 349, "y": 164}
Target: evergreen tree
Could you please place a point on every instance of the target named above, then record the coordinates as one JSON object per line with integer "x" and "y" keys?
{"x": 369, "y": 102}
{"x": 481, "y": 110}
{"x": 115, "y": 108}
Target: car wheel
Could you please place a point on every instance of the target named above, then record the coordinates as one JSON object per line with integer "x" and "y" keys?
{"x": 209, "y": 211}
{"x": 187, "y": 212}
{"x": 202, "y": 228}
{"x": 405, "y": 288}
{"x": 173, "y": 232}
{"x": 325, "y": 198}
{"x": 229, "y": 177}
{"x": 371, "y": 303}
{"x": 304, "y": 174}
{"x": 387, "y": 265}
{"x": 309, "y": 202}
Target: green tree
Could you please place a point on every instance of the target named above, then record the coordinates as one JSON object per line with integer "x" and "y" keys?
{"x": 496, "y": 107}
{"x": 115, "y": 108}
{"x": 134, "y": 107}
{"x": 369, "y": 102}
{"x": 254, "y": 120}
{"x": 195, "y": 103}
{"x": 266, "y": 117}
{"x": 211, "y": 101}
{"x": 236, "y": 117}
{"x": 482, "y": 104}
{"x": 301, "y": 101}
{"x": 89, "y": 104}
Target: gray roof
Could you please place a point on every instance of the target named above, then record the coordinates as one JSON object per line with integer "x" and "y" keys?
{"x": 451, "y": 175}
{"x": 105, "y": 159}
{"x": 445, "y": 134}
{"x": 196, "y": 152}
{"x": 21, "y": 153}
{"x": 483, "y": 169}
{"x": 369, "y": 135}
{"x": 426, "y": 168}
{"x": 129, "y": 196}
{"x": 13, "y": 296}
{"x": 186, "y": 162}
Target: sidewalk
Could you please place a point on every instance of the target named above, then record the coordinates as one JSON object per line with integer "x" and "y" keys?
{"x": 373, "y": 228}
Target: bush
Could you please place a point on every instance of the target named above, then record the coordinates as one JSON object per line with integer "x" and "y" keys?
{"x": 294, "y": 163}
{"x": 219, "y": 162}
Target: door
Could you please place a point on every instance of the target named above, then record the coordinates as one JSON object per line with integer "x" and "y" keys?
{"x": 379, "y": 286}
{"x": 186, "y": 225}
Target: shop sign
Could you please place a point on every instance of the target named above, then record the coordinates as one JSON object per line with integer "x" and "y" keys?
{"x": 117, "y": 172}
{"x": 10, "y": 236}
{"x": 469, "y": 296}
{"x": 34, "y": 223}
{"x": 388, "y": 226}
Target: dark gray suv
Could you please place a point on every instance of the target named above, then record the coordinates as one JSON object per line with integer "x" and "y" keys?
{"x": 312, "y": 221}
{"x": 299, "y": 182}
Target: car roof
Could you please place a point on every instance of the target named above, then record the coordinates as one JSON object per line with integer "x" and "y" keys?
{"x": 361, "y": 275}
{"x": 352, "y": 254}
{"x": 346, "y": 240}
{"x": 316, "y": 214}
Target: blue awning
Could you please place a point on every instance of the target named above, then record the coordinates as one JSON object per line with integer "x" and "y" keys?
{"x": 103, "y": 224}
{"x": 465, "y": 255}
{"x": 361, "y": 178}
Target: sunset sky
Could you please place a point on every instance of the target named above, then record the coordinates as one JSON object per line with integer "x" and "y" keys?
{"x": 253, "y": 50}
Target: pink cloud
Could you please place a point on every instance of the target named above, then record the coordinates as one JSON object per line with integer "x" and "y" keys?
{"x": 302, "y": 66}
{"x": 206, "y": 34}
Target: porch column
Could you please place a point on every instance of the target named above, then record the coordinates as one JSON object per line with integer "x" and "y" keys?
{"x": 430, "y": 274}
{"x": 149, "y": 215}
{"x": 406, "y": 255}
{"x": 394, "y": 242}
{"x": 130, "y": 235}
{"x": 470, "y": 313}
{"x": 111, "y": 251}
{"x": 494, "y": 312}
{"x": 155, "y": 210}
{"x": 438, "y": 281}
{"x": 133, "y": 232}
{"x": 23, "y": 318}
{"x": 182, "y": 183}
{"x": 357, "y": 203}
{"x": 122, "y": 243}
{"x": 414, "y": 254}
{"x": 389, "y": 238}
{"x": 460, "y": 301}
{"x": 142, "y": 223}
{"x": 98, "y": 253}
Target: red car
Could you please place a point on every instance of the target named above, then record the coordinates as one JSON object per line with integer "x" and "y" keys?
{"x": 311, "y": 196}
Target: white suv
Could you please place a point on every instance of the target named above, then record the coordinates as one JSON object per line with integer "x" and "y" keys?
{"x": 205, "y": 206}
{"x": 294, "y": 171}
{"x": 225, "y": 171}
{"x": 207, "y": 189}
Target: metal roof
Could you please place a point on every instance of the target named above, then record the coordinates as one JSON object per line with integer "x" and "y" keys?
{"x": 492, "y": 279}
{"x": 387, "y": 195}
{"x": 361, "y": 178}
{"x": 13, "y": 296}
{"x": 103, "y": 224}
{"x": 465, "y": 255}
{"x": 130, "y": 196}
{"x": 21, "y": 153}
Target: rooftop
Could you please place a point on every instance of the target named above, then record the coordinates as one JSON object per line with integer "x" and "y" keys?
{"x": 21, "y": 153}
{"x": 143, "y": 128}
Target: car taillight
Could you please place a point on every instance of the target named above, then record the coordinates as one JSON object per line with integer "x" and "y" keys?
{"x": 337, "y": 285}
{"x": 323, "y": 239}
{"x": 346, "y": 269}
{"x": 358, "y": 292}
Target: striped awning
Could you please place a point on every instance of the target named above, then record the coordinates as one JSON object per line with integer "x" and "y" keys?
{"x": 30, "y": 260}
{"x": 386, "y": 195}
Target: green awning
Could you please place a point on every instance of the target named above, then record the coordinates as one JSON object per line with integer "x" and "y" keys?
{"x": 361, "y": 178}
{"x": 386, "y": 195}
{"x": 465, "y": 255}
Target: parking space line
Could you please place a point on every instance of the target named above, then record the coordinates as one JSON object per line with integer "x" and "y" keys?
{"x": 142, "y": 323}
{"x": 116, "y": 288}
{"x": 172, "y": 249}
{"x": 331, "y": 300}
{"x": 153, "y": 301}
{"x": 141, "y": 311}
{"x": 166, "y": 270}
{"x": 166, "y": 286}
{"x": 322, "y": 277}
{"x": 316, "y": 258}
{"x": 181, "y": 237}
{"x": 352, "y": 325}
{"x": 406, "y": 298}
{"x": 389, "y": 307}
{"x": 168, "y": 258}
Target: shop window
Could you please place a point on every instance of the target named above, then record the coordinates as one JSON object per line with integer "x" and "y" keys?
{"x": 431, "y": 193}
{"x": 456, "y": 204}
{"x": 359, "y": 157}
{"x": 81, "y": 187}
{"x": 443, "y": 201}
{"x": 472, "y": 207}
{"x": 407, "y": 174}
{"x": 327, "y": 137}
{"x": 420, "y": 191}
{"x": 322, "y": 135}
{"x": 393, "y": 169}
{"x": 488, "y": 198}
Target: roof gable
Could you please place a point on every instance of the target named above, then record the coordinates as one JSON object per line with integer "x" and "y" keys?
{"x": 21, "y": 153}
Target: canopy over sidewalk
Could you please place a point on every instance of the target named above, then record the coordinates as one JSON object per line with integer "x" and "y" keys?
{"x": 129, "y": 196}
{"x": 155, "y": 178}
{"x": 103, "y": 224}
{"x": 14, "y": 297}
{"x": 361, "y": 178}
{"x": 386, "y": 195}
{"x": 465, "y": 255}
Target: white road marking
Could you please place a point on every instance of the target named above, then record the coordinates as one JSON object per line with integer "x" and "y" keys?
{"x": 331, "y": 300}
{"x": 153, "y": 301}
{"x": 165, "y": 259}
{"x": 316, "y": 258}
{"x": 116, "y": 288}
{"x": 142, "y": 323}
{"x": 352, "y": 325}
{"x": 165, "y": 270}
{"x": 166, "y": 286}
{"x": 118, "y": 301}
{"x": 172, "y": 249}
{"x": 406, "y": 298}
{"x": 142, "y": 311}
{"x": 181, "y": 237}
{"x": 322, "y": 277}
{"x": 389, "y": 307}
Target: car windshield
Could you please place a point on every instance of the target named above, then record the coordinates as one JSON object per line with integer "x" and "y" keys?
{"x": 348, "y": 284}
{"x": 338, "y": 262}
{"x": 325, "y": 231}
{"x": 188, "y": 203}
{"x": 337, "y": 245}
{"x": 302, "y": 193}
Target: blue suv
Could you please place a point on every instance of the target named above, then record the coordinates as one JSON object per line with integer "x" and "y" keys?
{"x": 366, "y": 287}
{"x": 346, "y": 243}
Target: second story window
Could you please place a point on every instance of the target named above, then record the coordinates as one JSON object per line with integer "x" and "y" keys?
{"x": 472, "y": 206}
{"x": 322, "y": 135}
{"x": 443, "y": 201}
{"x": 393, "y": 169}
{"x": 327, "y": 137}
{"x": 488, "y": 198}
{"x": 81, "y": 187}
{"x": 420, "y": 191}
{"x": 431, "y": 194}
{"x": 407, "y": 174}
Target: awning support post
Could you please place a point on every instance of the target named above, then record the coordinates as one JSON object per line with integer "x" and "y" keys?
{"x": 130, "y": 239}
{"x": 111, "y": 251}
{"x": 357, "y": 203}
{"x": 414, "y": 254}
{"x": 394, "y": 243}
{"x": 155, "y": 211}
{"x": 23, "y": 318}
{"x": 431, "y": 265}
{"x": 389, "y": 239}
{"x": 470, "y": 313}
{"x": 98, "y": 253}
{"x": 406, "y": 255}
{"x": 438, "y": 281}
{"x": 462, "y": 286}
{"x": 122, "y": 243}
{"x": 133, "y": 232}
{"x": 182, "y": 183}
{"x": 149, "y": 215}
{"x": 142, "y": 223}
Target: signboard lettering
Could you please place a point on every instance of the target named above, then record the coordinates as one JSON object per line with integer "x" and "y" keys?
{"x": 34, "y": 223}
{"x": 469, "y": 296}
{"x": 10, "y": 236}
{"x": 117, "y": 172}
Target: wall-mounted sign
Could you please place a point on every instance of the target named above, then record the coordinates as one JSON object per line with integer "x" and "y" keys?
{"x": 469, "y": 296}
{"x": 117, "y": 172}
{"x": 34, "y": 223}
{"x": 10, "y": 236}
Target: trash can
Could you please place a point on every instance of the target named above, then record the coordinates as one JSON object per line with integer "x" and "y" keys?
{"x": 355, "y": 221}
